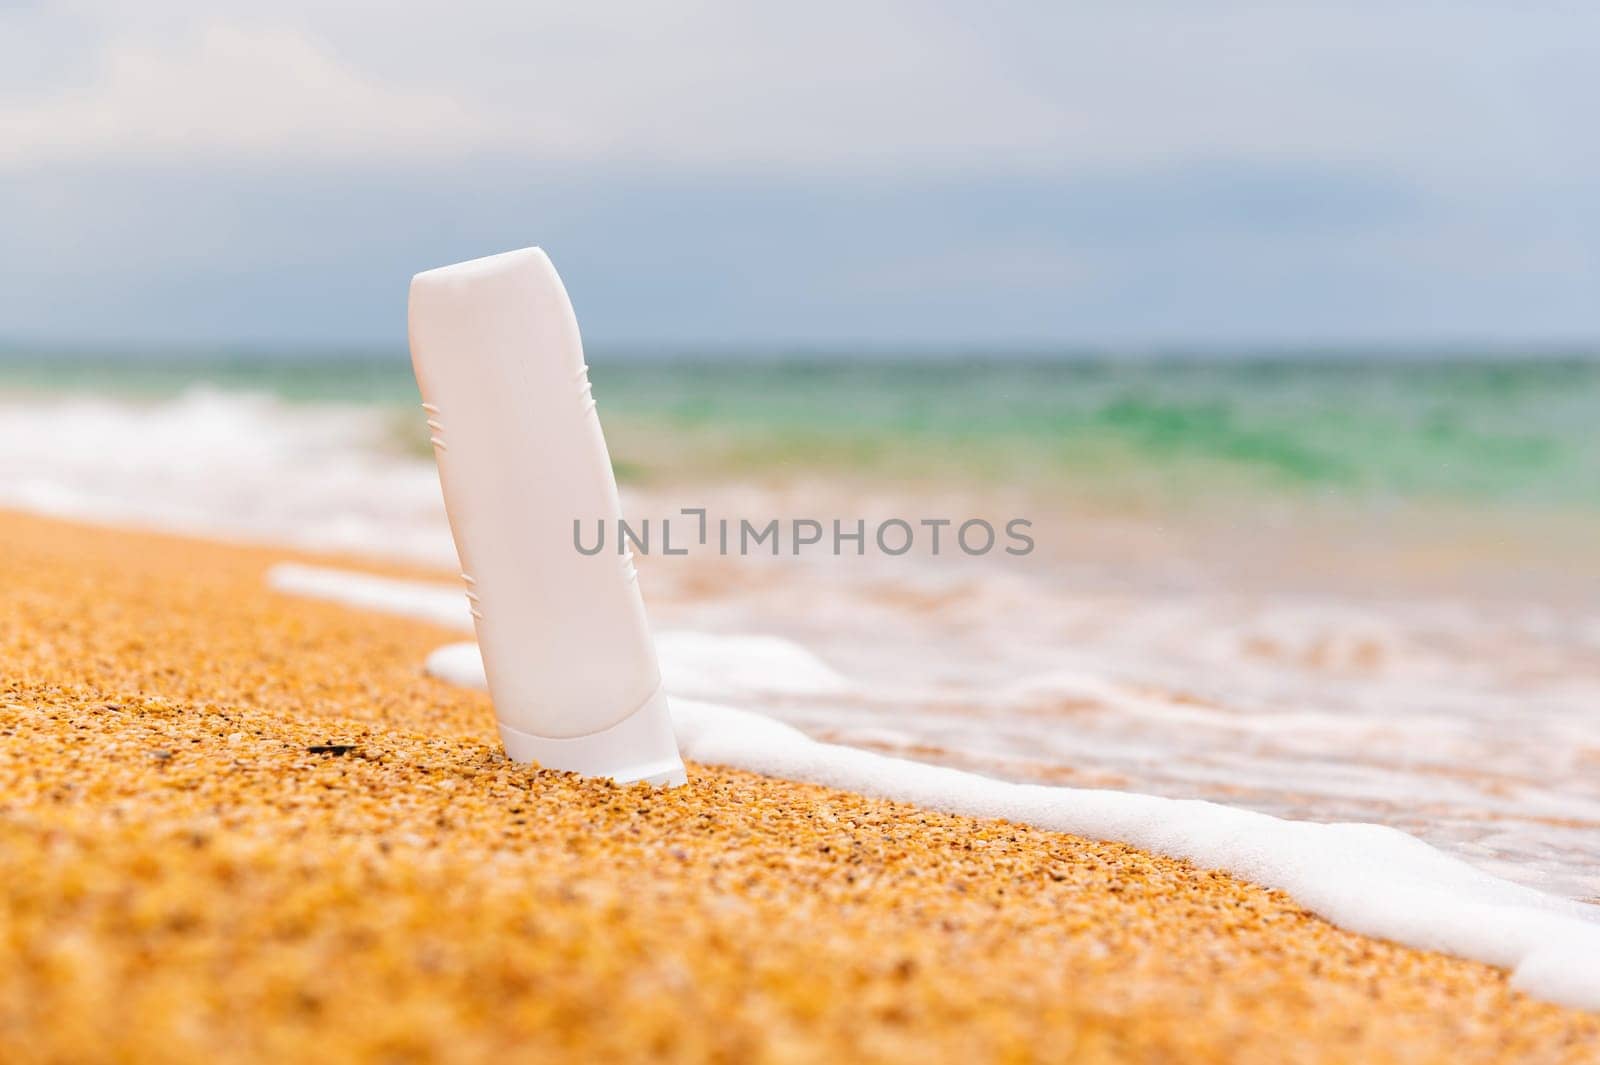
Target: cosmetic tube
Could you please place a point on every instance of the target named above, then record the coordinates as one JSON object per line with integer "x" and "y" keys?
{"x": 571, "y": 666}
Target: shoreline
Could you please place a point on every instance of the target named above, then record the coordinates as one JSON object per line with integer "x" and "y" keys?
{"x": 241, "y": 891}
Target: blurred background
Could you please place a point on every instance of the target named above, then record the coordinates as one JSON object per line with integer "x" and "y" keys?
{"x": 1278, "y": 321}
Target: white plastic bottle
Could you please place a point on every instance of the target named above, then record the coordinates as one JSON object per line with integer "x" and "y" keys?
{"x": 566, "y": 648}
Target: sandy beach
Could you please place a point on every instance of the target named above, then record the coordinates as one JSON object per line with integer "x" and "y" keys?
{"x": 235, "y": 824}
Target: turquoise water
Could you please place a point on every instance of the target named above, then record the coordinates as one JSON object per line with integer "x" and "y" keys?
{"x": 1514, "y": 432}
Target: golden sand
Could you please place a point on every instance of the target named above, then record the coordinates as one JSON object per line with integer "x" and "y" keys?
{"x": 236, "y": 826}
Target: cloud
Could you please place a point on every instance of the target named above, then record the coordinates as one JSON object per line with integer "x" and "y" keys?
{"x": 899, "y": 171}
{"x": 230, "y": 92}
{"x": 828, "y": 86}
{"x": 690, "y": 84}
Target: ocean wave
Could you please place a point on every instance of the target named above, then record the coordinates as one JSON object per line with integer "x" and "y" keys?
{"x": 232, "y": 464}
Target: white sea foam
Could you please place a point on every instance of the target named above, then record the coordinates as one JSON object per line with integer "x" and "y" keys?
{"x": 437, "y": 604}
{"x": 231, "y": 464}
{"x": 1367, "y": 878}
{"x": 458, "y": 663}
{"x": 721, "y": 666}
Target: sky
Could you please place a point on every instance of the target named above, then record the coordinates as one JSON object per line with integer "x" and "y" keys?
{"x": 828, "y": 175}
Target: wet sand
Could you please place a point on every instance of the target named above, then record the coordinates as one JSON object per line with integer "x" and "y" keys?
{"x": 236, "y": 825}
